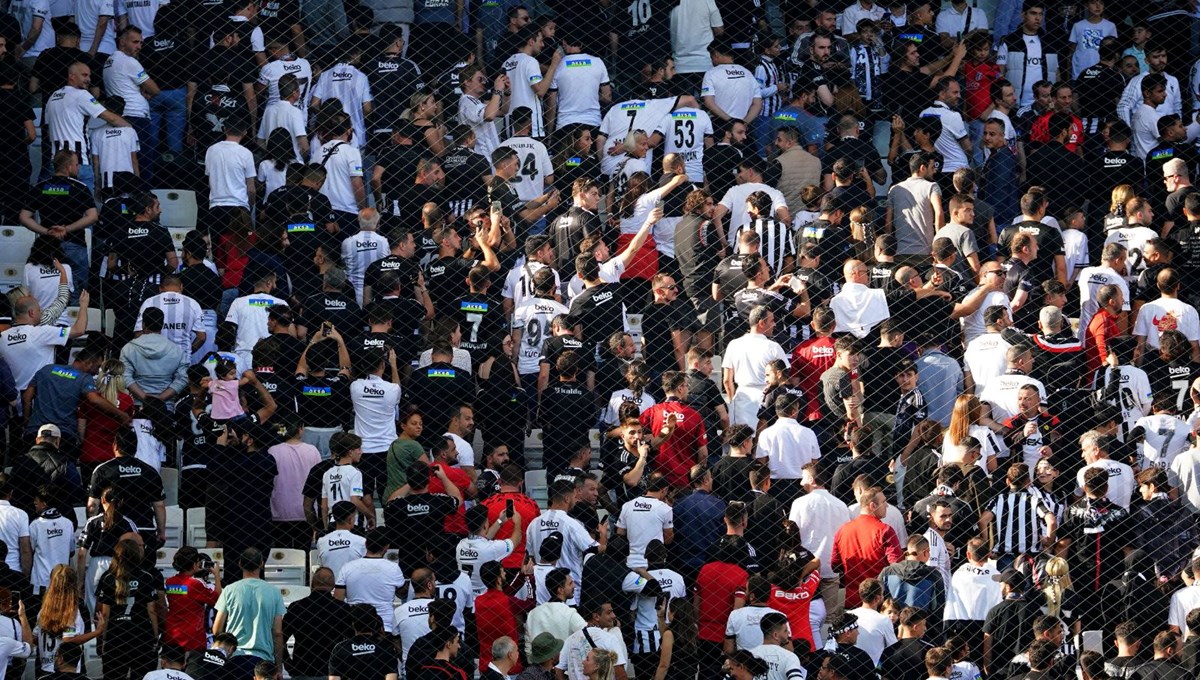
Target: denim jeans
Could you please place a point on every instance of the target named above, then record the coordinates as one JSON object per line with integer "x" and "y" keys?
{"x": 168, "y": 111}
{"x": 145, "y": 141}
{"x": 77, "y": 256}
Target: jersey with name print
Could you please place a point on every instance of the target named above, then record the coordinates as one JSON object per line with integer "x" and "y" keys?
{"x": 685, "y": 132}
{"x": 272, "y": 71}
{"x": 182, "y": 318}
{"x": 532, "y": 318}
{"x": 474, "y": 551}
{"x": 632, "y": 114}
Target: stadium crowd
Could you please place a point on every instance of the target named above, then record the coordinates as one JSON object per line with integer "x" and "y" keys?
{"x": 851, "y": 341}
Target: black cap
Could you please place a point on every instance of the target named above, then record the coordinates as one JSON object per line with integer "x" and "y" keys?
{"x": 1014, "y": 579}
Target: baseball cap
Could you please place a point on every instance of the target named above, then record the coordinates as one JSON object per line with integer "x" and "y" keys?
{"x": 1012, "y": 578}
{"x": 49, "y": 430}
{"x": 544, "y": 647}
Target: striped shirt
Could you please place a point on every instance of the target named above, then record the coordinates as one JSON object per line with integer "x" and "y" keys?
{"x": 777, "y": 241}
{"x": 939, "y": 555}
{"x": 769, "y": 76}
{"x": 1018, "y": 524}
{"x": 66, "y": 117}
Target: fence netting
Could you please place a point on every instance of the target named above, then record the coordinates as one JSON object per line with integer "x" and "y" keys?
{"x": 656, "y": 339}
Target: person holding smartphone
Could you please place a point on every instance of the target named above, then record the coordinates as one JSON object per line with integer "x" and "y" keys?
{"x": 482, "y": 546}
{"x": 503, "y": 505}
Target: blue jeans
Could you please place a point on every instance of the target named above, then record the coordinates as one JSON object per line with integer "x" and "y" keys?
{"x": 146, "y": 154}
{"x": 168, "y": 111}
{"x": 77, "y": 256}
{"x": 975, "y": 134}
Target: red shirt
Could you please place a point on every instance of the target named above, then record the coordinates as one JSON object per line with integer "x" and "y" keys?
{"x": 977, "y": 88}
{"x": 97, "y": 444}
{"x": 677, "y": 454}
{"x": 861, "y": 549}
{"x": 717, "y": 585}
{"x": 187, "y": 599}
{"x": 527, "y": 507}
{"x": 494, "y": 618}
{"x": 1101, "y": 327}
{"x": 795, "y": 603}
{"x": 809, "y": 360}
{"x": 232, "y": 258}
{"x": 1041, "y": 132}
{"x": 456, "y": 523}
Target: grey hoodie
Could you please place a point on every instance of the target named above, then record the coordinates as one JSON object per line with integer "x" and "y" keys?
{"x": 154, "y": 363}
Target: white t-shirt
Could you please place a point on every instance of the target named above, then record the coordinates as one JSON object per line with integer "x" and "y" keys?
{"x": 271, "y": 177}
{"x": 114, "y": 148}
{"x": 373, "y": 581}
{"x": 1003, "y": 390}
{"x": 748, "y": 356}
{"x": 743, "y": 625}
{"x": 973, "y": 323}
{"x": 953, "y": 130}
{"x": 470, "y": 112}
{"x": 1090, "y": 281}
{"x": 342, "y": 161}
{"x": 535, "y": 166}
{"x": 375, "y": 401}
{"x": 1144, "y": 121}
{"x": 14, "y": 524}
{"x": 954, "y": 23}
{"x": 576, "y": 647}
{"x": 464, "y": 452}
{"x": 123, "y": 77}
{"x": 249, "y": 312}
{"x": 349, "y": 85}
{"x": 412, "y": 621}
{"x": 341, "y": 483}
{"x": 1121, "y": 483}
{"x": 52, "y": 541}
{"x": 523, "y": 73}
{"x": 272, "y": 71}
{"x": 986, "y": 358}
{"x": 732, "y": 87}
{"x": 875, "y": 632}
{"x": 182, "y": 318}
{"x": 781, "y": 664}
{"x": 474, "y": 551}
{"x": 25, "y": 12}
{"x": 684, "y": 132}
{"x": 1165, "y": 314}
{"x": 644, "y": 519}
{"x": 1134, "y": 239}
{"x": 734, "y": 201}
{"x": 27, "y": 349}
{"x": 532, "y": 318}
{"x": 692, "y": 22}
{"x": 1183, "y": 601}
{"x": 42, "y": 283}
{"x": 578, "y": 81}
{"x": 339, "y": 547}
{"x": 460, "y": 592}
{"x": 284, "y": 114}
{"x": 1135, "y": 397}
{"x": 141, "y": 13}
{"x": 518, "y": 284}
{"x": 87, "y": 15}
{"x": 359, "y": 252}
{"x": 621, "y": 397}
{"x": 1086, "y": 37}
{"x": 228, "y": 166}
{"x": 1076, "y": 246}
{"x": 633, "y": 114}
{"x": 576, "y": 539}
{"x": 1166, "y": 437}
{"x": 610, "y": 272}
{"x": 66, "y": 114}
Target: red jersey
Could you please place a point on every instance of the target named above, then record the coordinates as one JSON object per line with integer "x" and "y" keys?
{"x": 1100, "y": 329}
{"x": 527, "y": 507}
{"x": 717, "y": 585}
{"x": 1040, "y": 132}
{"x": 795, "y": 603}
{"x": 977, "y": 88}
{"x": 677, "y": 454}
{"x": 809, "y": 360}
{"x": 861, "y": 549}
{"x": 457, "y": 523}
{"x": 494, "y": 618}
{"x": 187, "y": 600}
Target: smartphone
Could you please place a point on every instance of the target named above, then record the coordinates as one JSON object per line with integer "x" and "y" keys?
{"x": 659, "y": 205}
{"x": 326, "y": 329}
{"x": 496, "y": 206}
{"x": 508, "y": 507}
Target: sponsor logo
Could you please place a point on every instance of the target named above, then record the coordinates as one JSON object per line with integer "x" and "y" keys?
{"x": 468, "y": 554}
{"x": 579, "y": 63}
{"x": 683, "y": 115}
{"x": 362, "y": 647}
{"x": 373, "y": 392}
{"x": 177, "y": 589}
{"x": 628, "y": 106}
{"x": 339, "y": 543}
{"x": 574, "y": 162}
{"x": 64, "y": 373}
{"x": 316, "y": 391}
{"x": 56, "y": 190}
{"x": 601, "y": 298}
{"x": 441, "y": 373}
{"x": 301, "y": 227}
{"x": 334, "y": 304}
{"x": 129, "y": 469}
{"x": 54, "y": 532}
{"x": 109, "y": 133}
{"x": 1163, "y": 154}
{"x": 261, "y": 302}
{"x": 341, "y": 76}
{"x": 473, "y": 306}
{"x": 292, "y": 68}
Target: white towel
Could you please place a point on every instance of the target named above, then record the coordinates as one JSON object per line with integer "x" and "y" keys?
{"x": 858, "y": 309}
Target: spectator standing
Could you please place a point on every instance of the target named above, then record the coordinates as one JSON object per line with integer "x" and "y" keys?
{"x": 252, "y": 610}
{"x": 125, "y": 77}
{"x": 864, "y": 545}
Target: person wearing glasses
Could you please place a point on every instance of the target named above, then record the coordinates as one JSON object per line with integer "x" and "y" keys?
{"x": 991, "y": 279}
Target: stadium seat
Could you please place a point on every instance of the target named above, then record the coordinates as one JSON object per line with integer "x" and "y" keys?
{"x": 81, "y": 516}
{"x": 292, "y": 593}
{"x": 164, "y": 556}
{"x": 174, "y": 526}
{"x": 15, "y": 242}
{"x": 314, "y": 562}
{"x": 177, "y": 236}
{"x": 95, "y": 319}
{"x": 536, "y": 485}
{"x": 392, "y": 556}
{"x": 170, "y": 480}
{"x": 178, "y": 207}
{"x": 286, "y": 567}
{"x": 196, "y": 536}
{"x": 11, "y": 275}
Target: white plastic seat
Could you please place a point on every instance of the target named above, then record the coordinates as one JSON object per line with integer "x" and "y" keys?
{"x": 178, "y": 207}
{"x": 286, "y": 566}
{"x": 170, "y": 480}
{"x": 292, "y": 593}
{"x": 15, "y": 243}
{"x": 81, "y": 516}
{"x": 163, "y": 557}
{"x": 196, "y": 534}
{"x": 175, "y": 524}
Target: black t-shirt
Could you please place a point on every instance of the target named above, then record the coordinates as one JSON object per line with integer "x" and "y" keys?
{"x": 568, "y": 410}
{"x": 303, "y": 213}
{"x": 810, "y": 72}
{"x": 220, "y": 74}
{"x": 465, "y": 171}
{"x": 1050, "y": 244}
{"x": 14, "y": 111}
{"x": 59, "y": 201}
{"x": 766, "y": 408}
{"x": 399, "y": 162}
{"x": 1098, "y": 89}
{"x": 416, "y": 521}
{"x": 907, "y": 93}
{"x": 879, "y": 371}
{"x": 644, "y": 29}
{"x": 239, "y": 498}
{"x": 394, "y": 80}
{"x": 276, "y": 18}
{"x": 658, "y": 323}
{"x": 568, "y": 231}
{"x": 406, "y": 267}
{"x": 1109, "y": 169}
{"x": 833, "y": 241}
{"x": 705, "y": 397}
{"x": 129, "y": 615}
{"x": 720, "y": 167}
{"x": 857, "y": 150}
{"x": 481, "y": 317}
{"x": 598, "y": 309}
{"x": 1176, "y": 376}
{"x": 408, "y": 317}
{"x": 1155, "y": 160}
{"x": 510, "y": 203}
{"x": 363, "y": 657}
{"x": 780, "y": 304}
{"x": 143, "y": 248}
{"x": 170, "y": 59}
{"x": 208, "y": 665}
{"x": 336, "y": 308}
{"x": 324, "y": 402}
{"x": 51, "y": 67}
{"x": 554, "y": 346}
{"x": 730, "y": 275}
{"x": 446, "y": 281}
{"x": 697, "y": 253}
{"x": 136, "y": 483}
{"x": 202, "y": 285}
{"x": 904, "y": 660}
{"x": 438, "y": 388}
{"x": 372, "y": 343}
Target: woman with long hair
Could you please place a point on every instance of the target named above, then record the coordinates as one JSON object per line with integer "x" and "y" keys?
{"x": 637, "y": 378}
{"x": 41, "y": 274}
{"x": 575, "y": 157}
{"x": 793, "y": 588}
{"x": 98, "y": 544}
{"x": 966, "y": 420}
{"x": 600, "y": 664}
{"x": 155, "y": 428}
{"x": 1061, "y": 600}
{"x": 1115, "y": 219}
{"x": 293, "y": 459}
{"x": 425, "y": 111}
{"x": 406, "y": 450}
{"x": 60, "y": 619}
{"x": 273, "y": 168}
{"x": 636, "y": 201}
{"x": 677, "y": 654}
{"x": 98, "y": 429}
{"x": 127, "y": 608}
{"x": 502, "y": 401}
{"x": 916, "y": 467}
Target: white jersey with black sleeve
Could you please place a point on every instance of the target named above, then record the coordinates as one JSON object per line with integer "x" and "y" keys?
{"x": 67, "y": 114}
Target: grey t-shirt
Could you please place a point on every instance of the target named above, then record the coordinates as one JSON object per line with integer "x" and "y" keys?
{"x": 836, "y": 385}
{"x": 963, "y": 238}
{"x": 912, "y": 215}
